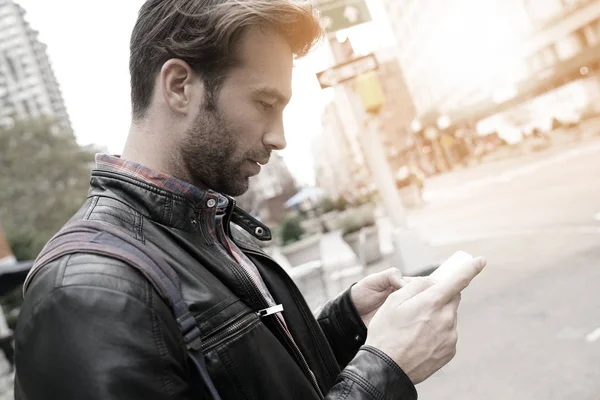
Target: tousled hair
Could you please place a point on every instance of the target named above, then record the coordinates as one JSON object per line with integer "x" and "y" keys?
{"x": 204, "y": 33}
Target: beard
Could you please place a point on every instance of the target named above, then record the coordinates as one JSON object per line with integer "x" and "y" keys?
{"x": 209, "y": 155}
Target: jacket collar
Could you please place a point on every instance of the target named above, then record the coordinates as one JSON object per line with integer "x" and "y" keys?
{"x": 173, "y": 209}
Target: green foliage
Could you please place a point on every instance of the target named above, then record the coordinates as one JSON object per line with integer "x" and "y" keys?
{"x": 340, "y": 204}
{"x": 291, "y": 230}
{"x": 44, "y": 180}
{"x": 327, "y": 205}
{"x": 354, "y": 222}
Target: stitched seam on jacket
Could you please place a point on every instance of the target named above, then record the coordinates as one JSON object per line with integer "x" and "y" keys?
{"x": 137, "y": 218}
{"x": 126, "y": 208}
{"x": 120, "y": 218}
{"x": 91, "y": 207}
{"x": 365, "y": 384}
{"x": 347, "y": 390}
{"x": 384, "y": 357}
{"x": 117, "y": 264}
{"x": 139, "y": 228}
{"x": 62, "y": 268}
{"x": 105, "y": 274}
{"x": 160, "y": 343}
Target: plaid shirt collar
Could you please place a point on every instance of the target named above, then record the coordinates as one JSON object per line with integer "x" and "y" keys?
{"x": 106, "y": 162}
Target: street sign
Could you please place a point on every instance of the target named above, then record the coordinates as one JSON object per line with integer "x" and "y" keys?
{"x": 347, "y": 71}
{"x": 342, "y": 14}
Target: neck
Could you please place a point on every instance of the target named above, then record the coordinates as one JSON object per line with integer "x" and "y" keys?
{"x": 144, "y": 146}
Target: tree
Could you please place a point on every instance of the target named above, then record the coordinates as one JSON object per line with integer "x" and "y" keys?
{"x": 291, "y": 229}
{"x": 44, "y": 178}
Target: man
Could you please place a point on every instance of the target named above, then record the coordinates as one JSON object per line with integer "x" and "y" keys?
{"x": 209, "y": 82}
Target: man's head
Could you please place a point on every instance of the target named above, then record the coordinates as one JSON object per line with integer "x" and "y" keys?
{"x": 217, "y": 74}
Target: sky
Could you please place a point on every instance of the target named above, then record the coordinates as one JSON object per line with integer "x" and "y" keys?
{"x": 88, "y": 45}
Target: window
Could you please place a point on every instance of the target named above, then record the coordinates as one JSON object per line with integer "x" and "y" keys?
{"x": 12, "y": 68}
{"x": 569, "y": 46}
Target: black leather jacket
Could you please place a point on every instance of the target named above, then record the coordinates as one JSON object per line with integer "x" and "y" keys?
{"x": 92, "y": 327}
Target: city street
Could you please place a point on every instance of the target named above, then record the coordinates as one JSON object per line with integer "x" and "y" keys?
{"x": 530, "y": 324}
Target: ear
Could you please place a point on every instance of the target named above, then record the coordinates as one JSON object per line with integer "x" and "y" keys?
{"x": 179, "y": 84}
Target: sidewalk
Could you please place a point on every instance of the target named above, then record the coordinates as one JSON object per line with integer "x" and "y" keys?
{"x": 491, "y": 165}
{"x": 458, "y": 183}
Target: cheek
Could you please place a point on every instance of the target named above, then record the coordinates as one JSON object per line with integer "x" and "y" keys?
{"x": 246, "y": 125}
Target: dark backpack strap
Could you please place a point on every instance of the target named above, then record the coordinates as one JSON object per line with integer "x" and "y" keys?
{"x": 94, "y": 237}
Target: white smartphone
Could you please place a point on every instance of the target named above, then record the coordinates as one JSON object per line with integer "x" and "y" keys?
{"x": 450, "y": 265}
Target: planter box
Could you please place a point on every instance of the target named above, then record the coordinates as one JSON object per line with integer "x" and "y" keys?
{"x": 411, "y": 196}
{"x": 372, "y": 252}
{"x": 332, "y": 220}
{"x": 303, "y": 251}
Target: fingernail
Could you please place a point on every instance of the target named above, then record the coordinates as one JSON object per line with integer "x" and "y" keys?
{"x": 481, "y": 261}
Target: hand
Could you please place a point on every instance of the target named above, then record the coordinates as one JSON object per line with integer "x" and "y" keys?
{"x": 371, "y": 292}
{"x": 416, "y": 326}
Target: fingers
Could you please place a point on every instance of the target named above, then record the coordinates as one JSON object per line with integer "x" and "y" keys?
{"x": 391, "y": 277}
{"x": 460, "y": 279}
{"x": 455, "y": 302}
{"x": 412, "y": 288}
{"x": 453, "y": 306}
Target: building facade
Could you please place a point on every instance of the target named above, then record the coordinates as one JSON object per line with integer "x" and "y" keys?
{"x": 451, "y": 51}
{"x": 28, "y": 87}
{"x": 470, "y": 59}
{"x": 340, "y": 166}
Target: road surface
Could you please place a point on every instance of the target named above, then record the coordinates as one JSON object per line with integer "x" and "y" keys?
{"x": 530, "y": 324}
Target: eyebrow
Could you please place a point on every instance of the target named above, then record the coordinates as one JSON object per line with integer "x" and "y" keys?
{"x": 272, "y": 92}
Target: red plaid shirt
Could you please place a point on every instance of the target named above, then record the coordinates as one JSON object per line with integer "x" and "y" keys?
{"x": 136, "y": 171}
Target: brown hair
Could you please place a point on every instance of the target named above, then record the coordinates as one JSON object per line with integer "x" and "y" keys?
{"x": 204, "y": 33}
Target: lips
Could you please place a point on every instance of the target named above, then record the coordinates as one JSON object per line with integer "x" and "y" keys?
{"x": 261, "y": 161}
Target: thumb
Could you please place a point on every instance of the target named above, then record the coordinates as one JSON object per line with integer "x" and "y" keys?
{"x": 384, "y": 280}
{"x": 396, "y": 279}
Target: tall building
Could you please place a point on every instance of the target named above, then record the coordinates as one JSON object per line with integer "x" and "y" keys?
{"x": 451, "y": 51}
{"x": 28, "y": 87}
{"x": 340, "y": 166}
{"x": 335, "y": 163}
{"x": 471, "y": 59}
{"x": 397, "y": 113}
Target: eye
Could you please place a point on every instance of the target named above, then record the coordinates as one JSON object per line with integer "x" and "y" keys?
{"x": 267, "y": 106}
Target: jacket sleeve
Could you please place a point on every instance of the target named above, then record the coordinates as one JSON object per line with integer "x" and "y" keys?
{"x": 343, "y": 327}
{"x": 368, "y": 373}
{"x": 74, "y": 343}
{"x": 372, "y": 375}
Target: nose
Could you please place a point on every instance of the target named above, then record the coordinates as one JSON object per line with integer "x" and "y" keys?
{"x": 275, "y": 138}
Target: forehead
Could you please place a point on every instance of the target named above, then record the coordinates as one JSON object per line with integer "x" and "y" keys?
{"x": 265, "y": 60}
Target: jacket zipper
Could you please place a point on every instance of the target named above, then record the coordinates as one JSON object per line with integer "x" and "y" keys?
{"x": 307, "y": 314}
{"x": 244, "y": 324}
{"x": 251, "y": 288}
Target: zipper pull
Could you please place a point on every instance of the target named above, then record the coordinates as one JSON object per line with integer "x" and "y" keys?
{"x": 270, "y": 311}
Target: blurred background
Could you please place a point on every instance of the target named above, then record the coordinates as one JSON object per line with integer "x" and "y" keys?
{"x": 417, "y": 128}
